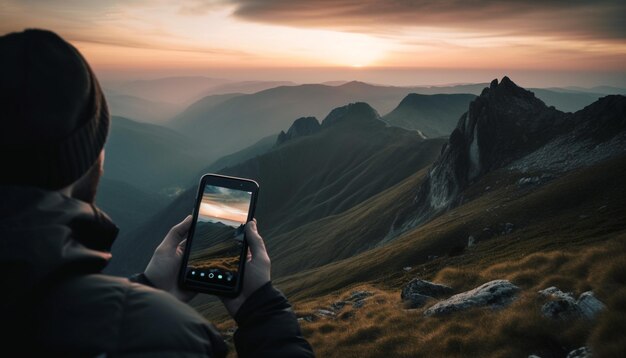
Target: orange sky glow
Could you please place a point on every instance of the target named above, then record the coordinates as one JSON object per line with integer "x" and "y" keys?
{"x": 196, "y": 37}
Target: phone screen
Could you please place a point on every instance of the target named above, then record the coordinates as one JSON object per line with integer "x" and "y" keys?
{"x": 217, "y": 240}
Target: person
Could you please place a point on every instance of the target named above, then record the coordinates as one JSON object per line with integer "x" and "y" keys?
{"x": 55, "y": 242}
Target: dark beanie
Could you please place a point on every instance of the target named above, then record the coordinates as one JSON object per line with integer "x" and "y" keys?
{"x": 53, "y": 116}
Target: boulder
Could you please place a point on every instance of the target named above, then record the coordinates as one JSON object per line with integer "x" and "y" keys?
{"x": 560, "y": 309}
{"x": 425, "y": 288}
{"x": 325, "y": 313}
{"x": 589, "y": 305}
{"x": 507, "y": 228}
{"x": 554, "y": 292}
{"x": 358, "y": 304}
{"x": 471, "y": 241}
{"x": 493, "y": 294}
{"x": 338, "y": 305}
{"x": 407, "y": 268}
{"x": 359, "y": 295}
{"x": 582, "y": 352}
{"x": 564, "y": 306}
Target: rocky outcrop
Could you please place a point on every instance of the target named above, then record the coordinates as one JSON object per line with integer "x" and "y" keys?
{"x": 599, "y": 133}
{"x": 418, "y": 292}
{"x": 493, "y": 294}
{"x": 301, "y": 127}
{"x": 564, "y": 306}
{"x": 582, "y": 352}
{"x": 504, "y": 123}
{"x": 507, "y": 126}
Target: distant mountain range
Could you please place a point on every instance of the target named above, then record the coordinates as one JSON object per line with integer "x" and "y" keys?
{"x": 433, "y": 115}
{"x": 149, "y": 157}
{"x": 353, "y": 183}
{"x": 352, "y": 157}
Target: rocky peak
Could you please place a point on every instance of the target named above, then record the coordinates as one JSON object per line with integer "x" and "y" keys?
{"x": 353, "y": 112}
{"x": 301, "y": 127}
{"x": 503, "y": 124}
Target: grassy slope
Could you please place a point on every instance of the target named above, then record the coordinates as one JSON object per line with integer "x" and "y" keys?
{"x": 569, "y": 232}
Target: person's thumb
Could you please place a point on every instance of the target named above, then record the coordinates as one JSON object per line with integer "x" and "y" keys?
{"x": 177, "y": 233}
{"x": 255, "y": 241}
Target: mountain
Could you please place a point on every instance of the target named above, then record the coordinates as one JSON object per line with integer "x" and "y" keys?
{"x": 246, "y": 87}
{"x": 433, "y": 115}
{"x": 256, "y": 149}
{"x": 300, "y": 128}
{"x": 129, "y": 207}
{"x": 178, "y": 90}
{"x": 505, "y": 124}
{"x": 243, "y": 120}
{"x": 151, "y": 158}
{"x": 566, "y": 101}
{"x": 141, "y": 109}
{"x": 353, "y": 157}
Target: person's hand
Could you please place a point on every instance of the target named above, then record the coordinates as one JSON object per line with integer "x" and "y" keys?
{"x": 164, "y": 266}
{"x": 257, "y": 271}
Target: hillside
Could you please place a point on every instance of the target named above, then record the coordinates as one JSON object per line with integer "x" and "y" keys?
{"x": 352, "y": 158}
{"x": 243, "y": 120}
{"x": 238, "y": 122}
{"x": 433, "y": 115}
{"x": 505, "y": 124}
{"x": 151, "y": 158}
{"x": 141, "y": 109}
{"x": 575, "y": 242}
{"x": 555, "y": 223}
{"x": 129, "y": 207}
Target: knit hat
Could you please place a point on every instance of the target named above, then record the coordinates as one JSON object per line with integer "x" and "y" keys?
{"x": 53, "y": 116}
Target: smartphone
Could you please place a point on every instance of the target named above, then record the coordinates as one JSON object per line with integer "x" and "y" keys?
{"x": 216, "y": 248}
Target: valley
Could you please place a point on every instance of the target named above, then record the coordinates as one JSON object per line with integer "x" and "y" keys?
{"x": 353, "y": 208}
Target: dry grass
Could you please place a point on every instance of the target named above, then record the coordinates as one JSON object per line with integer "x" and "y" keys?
{"x": 569, "y": 233}
{"x": 383, "y": 328}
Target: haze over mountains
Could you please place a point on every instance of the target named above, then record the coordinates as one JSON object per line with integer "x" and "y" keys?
{"x": 137, "y": 153}
{"x": 358, "y": 199}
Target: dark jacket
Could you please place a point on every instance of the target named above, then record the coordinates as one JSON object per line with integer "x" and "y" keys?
{"x": 52, "y": 250}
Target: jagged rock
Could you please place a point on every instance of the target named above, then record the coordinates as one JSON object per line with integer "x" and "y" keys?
{"x": 407, "y": 268}
{"x": 426, "y": 288}
{"x": 471, "y": 241}
{"x": 359, "y": 295}
{"x": 494, "y": 294}
{"x": 565, "y": 306}
{"x": 504, "y": 123}
{"x": 338, "y": 305}
{"x": 508, "y": 228}
{"x": 560, "y": 309}
{"x": 325, "y": 313}
{"x": 301, "y": 127}
{"x": 582, "y": 352}
{"x": 589, "y": 305}
{"x": 554, "y": 292}
{"x": 358, "y": 304}
{"x": 307, "y": 318}
{"x": 526, "y": 181}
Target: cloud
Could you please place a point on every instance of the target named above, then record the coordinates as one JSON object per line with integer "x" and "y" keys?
{"x": 601, "y": 19}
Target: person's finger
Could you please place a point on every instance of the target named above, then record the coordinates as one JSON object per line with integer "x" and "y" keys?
{"x": 177, "y": 233}
{"x": 255, "y": 242}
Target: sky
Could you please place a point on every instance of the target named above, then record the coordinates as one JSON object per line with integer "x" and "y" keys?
{"x": 225, "y": 205}
{"x": 418, "y": 42}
